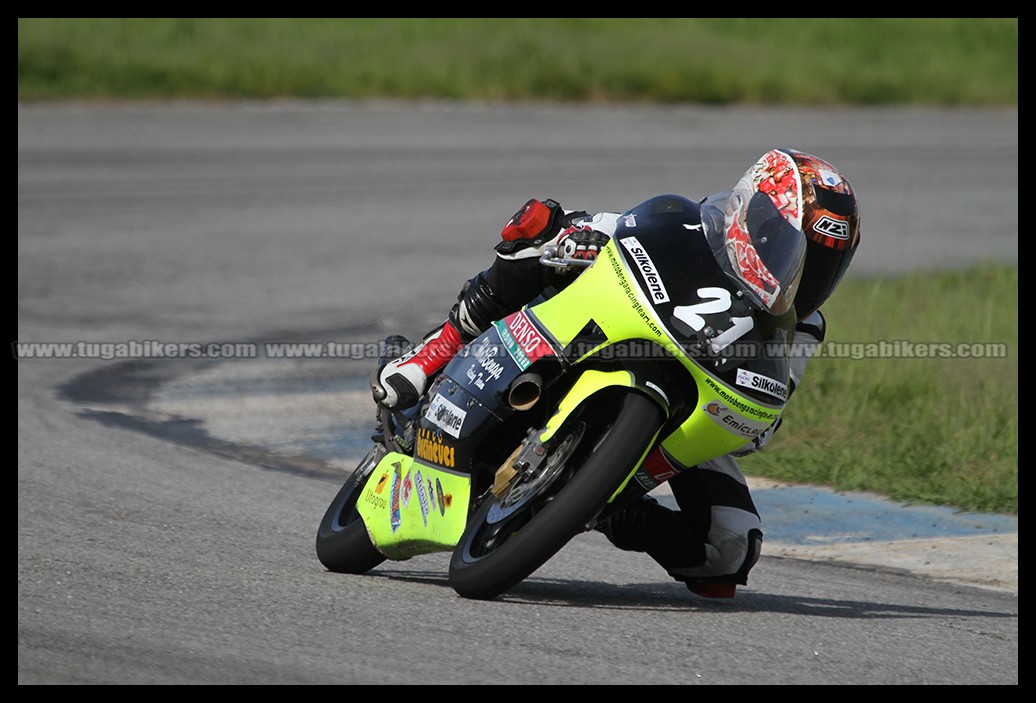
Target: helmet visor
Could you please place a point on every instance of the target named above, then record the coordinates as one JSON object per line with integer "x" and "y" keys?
{"x": 760, "y": 250}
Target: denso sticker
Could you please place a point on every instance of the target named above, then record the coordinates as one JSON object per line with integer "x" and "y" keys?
{"x": 446, "y": 416}
{"x": 733, "y": 422}
{"x": 762, "y": 383}
{"x": 522, "y": 339}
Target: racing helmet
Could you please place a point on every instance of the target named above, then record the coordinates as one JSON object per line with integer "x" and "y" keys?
{"x": 831, "y": 223}
{"x": 786, "y": 192}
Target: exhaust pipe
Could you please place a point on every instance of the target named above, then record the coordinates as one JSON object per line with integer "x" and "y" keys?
{"x": 525, "y": 391}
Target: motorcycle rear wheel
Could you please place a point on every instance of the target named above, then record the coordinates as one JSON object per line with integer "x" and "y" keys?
{"x": 343, "y": 545}
{"x": 492, "y": 557}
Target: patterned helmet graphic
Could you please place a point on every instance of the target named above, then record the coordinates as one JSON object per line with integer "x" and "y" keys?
{"x": 815, "y": 198}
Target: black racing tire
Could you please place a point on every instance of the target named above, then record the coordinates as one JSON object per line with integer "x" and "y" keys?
{"x": 481, "y": 569}
{"x": 343, "y": 545}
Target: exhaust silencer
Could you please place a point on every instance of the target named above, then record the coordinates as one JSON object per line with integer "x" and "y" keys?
{"x": 525, "y": 391}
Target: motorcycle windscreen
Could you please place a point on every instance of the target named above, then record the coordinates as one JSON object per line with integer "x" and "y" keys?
{"x": 760, "y": 250}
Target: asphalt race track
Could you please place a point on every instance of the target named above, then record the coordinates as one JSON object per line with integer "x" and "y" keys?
{"x": 168, "y": 503}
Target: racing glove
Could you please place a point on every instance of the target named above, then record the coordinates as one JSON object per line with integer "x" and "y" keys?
{"x": 581, "y": 242}
{"x": 759, "y": 441}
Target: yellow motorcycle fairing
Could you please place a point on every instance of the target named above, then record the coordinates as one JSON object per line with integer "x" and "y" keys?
{"x": 411, "y": 508}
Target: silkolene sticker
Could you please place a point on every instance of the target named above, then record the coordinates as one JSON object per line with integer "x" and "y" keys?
{"x": 446, "y": 416}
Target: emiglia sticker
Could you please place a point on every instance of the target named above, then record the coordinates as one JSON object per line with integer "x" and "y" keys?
{"x": 733, "y": 422}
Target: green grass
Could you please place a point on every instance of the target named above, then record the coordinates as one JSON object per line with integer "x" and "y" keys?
{"x": 829, "y": 61}
{"x": 928, "y": 430}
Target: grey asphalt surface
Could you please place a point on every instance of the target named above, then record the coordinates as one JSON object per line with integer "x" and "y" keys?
{"x": 167, "y": 507}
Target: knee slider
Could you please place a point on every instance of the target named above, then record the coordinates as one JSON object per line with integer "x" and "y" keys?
{"x": 755, "y": 549}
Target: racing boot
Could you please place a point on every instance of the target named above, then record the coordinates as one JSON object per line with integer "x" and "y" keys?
{"x": 712, "y": 588}
{"x": 726, "y": 586}
{"x": 661, "y": 533}
{"x": 394, "y": 346}
{"x": 401, "y": 382}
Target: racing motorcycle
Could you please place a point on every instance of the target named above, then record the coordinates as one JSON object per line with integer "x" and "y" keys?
{"x": 667, "y": 350}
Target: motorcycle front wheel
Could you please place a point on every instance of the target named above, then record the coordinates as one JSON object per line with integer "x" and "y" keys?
{"x": 343, "y": 545}
{"x": 501, "y": 546}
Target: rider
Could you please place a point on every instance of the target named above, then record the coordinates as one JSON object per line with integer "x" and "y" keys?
{"x": 715, "y": 538}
